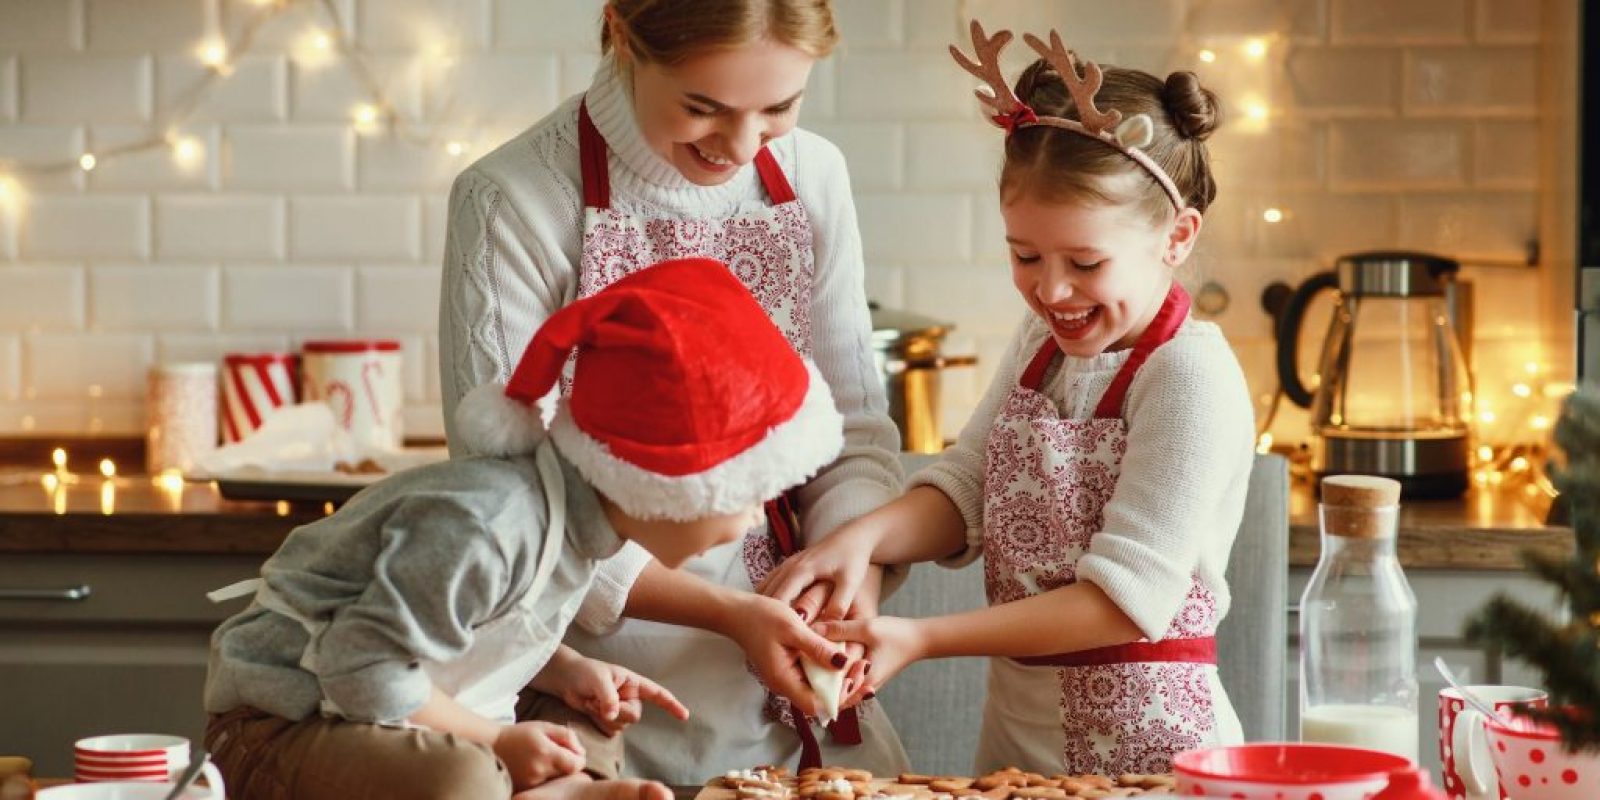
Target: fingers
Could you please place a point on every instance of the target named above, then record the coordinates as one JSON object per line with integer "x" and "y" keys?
{"x": 788, "y": 680}
{"x": 857, "y": 674}
{"x": 654, "y": 693}
{"x": 566, "y": 739}
{"x": 843, "y": 595}
{"x": 849, "y": 630}
{"x": 813, "y": 645}
{"x": 809, "y": 604}
{"x": 787, "y": 582}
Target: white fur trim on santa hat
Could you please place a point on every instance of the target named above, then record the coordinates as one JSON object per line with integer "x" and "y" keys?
{"x": 791, "y": 452}
{"x": 488, "y": 423}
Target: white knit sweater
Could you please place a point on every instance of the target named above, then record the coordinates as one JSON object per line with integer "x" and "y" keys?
{"x": 1180, "y": 497}
{"x": 513, "y": 250}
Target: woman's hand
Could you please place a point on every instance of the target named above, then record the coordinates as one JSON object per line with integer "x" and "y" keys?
{"x": 894, "y": 642}
{"x": 841, "y": 560}
{"x": 774, "y": 639}
{"x": 535, "y": 752}
{"x": 811, "y": 607}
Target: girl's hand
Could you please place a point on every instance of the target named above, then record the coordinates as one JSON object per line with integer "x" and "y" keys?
{"x": 894, "y": 642}
{"x": 535, "y": 752}
{"x": 811, "y": 604}
{"x": 841, "y": 560}
{"x": 773, "y": 639}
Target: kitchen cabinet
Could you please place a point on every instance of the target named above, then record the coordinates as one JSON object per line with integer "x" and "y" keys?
{"x": 129, "y": 657}
{"x": 1445, "y": 600}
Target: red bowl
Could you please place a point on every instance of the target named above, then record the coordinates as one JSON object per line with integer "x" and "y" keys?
{"x": 1286, "y": 770}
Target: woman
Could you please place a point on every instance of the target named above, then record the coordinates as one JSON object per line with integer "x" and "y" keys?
{"x": 685, "y": 144}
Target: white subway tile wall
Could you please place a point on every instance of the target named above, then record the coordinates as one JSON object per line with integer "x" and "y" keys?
{"x": 1355, "y": 123}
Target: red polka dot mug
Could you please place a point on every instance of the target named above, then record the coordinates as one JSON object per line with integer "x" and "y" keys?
{"x": 1461, "y": 730}
{"x": 1534, "y": 764}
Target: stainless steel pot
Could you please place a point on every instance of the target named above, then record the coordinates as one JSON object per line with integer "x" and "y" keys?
{"x": 906, "y": 347}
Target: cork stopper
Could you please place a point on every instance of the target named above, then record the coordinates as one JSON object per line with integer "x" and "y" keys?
{"x": 1358, "y": 506}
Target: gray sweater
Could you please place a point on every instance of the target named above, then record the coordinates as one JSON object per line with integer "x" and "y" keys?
{"x": 403, "y": 573}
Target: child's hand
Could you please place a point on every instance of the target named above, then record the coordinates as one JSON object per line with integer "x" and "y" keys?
{"x": 535, "y": 752}
{"x": 894, "y": 643}
{"x": 810, "y": 606}
{"x": 841, "y": 560}
{"x": 612, "y": 696}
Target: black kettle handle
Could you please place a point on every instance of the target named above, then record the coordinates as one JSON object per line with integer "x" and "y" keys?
{"x": 1289, "y": 324}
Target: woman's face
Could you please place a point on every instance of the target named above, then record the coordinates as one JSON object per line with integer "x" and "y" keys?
{"x": 709, "y": 115}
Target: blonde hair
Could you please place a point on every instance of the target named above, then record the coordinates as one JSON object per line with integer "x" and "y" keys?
{"x": 669, "y": 32}
{"x": 1056, "y": 166}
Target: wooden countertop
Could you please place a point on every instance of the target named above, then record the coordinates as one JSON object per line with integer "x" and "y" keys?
{"x": 1487, "y": 529}
{"x": 142, "y": 518}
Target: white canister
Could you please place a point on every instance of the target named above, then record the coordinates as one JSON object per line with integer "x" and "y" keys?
{"x": 360, "y": 380}
{"x": 180, "y": 415}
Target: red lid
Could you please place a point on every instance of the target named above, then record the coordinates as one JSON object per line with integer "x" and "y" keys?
{"x": 351, "y": 346}
{"x": 258, "y": 359}
{"x": 1289, "y": 763}
{"x": 1409, "y": 784}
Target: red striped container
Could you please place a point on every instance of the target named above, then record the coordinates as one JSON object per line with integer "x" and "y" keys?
{"x": 129, "y": 757}
{"x": 254, "y": 387}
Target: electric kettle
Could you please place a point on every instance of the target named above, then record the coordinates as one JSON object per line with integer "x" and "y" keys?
{"x": 1393, "y": 395}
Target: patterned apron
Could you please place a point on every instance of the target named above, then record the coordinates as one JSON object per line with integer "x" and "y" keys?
{"x": 1121, "y": 709}
{"x": 769, "y": 248}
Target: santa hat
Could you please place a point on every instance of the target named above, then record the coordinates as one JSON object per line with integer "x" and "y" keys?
{"x": 686, "y": 401}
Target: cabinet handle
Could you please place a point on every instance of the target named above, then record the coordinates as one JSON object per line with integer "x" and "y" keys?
{"x": 71, "y": 594}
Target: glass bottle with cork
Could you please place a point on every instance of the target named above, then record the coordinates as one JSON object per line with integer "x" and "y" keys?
{"x": 1358, "y": 625}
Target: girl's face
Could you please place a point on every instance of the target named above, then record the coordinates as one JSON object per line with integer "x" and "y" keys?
{"x": 1096, "y": 274}
{"x": 709, "y": 115}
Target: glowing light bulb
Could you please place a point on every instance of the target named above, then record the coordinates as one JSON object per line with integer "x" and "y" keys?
{"x": 58, "y": 457}
{"x": 455, "y": 148}
{"x": 1519, "y": 464}
{"x": 1257, "y": 110}
{"x": 108, "y": 468}
{"x": 1522, "y": 390}
{"x": 1532, "y": 367}
{"x": 1272, "y": 215}
{"x": 170, "y": 480}
{"x": 214, "y": 54}
{"x": 187, "y": 151}
{"x": 365, "y": 114}
{"x": 87, "y": 161}
{"x": 1487, "y": 416}
{"x": 1485, "y": 453}
{"x": 1539, "y": 422}
{"x": 321, "y": 41}
{"x": 1256, "y": 49}
{"x": 1208, "y": 56}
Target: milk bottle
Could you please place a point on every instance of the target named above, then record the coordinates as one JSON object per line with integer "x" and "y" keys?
{"x": 1358, "y": 625}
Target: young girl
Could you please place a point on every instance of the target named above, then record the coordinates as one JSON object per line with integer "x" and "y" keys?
{"x": 685, "y": 145}
{"x": 1104, "y": 474}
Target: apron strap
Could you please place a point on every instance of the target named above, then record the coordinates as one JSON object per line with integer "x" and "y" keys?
{"x": 593, "y": 167}
{"x": 1200, "y": 650}
{"x": 1174, "y": 310}
{"x": 234, "y": 590}
{"x": 1033, "y": 377}
{"x": 592, "y": 156}
{"x": 555, "y": 493}
{"x": 783, "y": 519}
{"x": 772, "y": 178}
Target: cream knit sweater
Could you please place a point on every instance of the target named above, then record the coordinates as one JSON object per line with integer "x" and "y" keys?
{"x": 513, "y": 250}
{"x": 1180, "y": 497}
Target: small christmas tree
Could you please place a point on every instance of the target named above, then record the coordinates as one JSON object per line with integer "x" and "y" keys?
{"x": 1566, "y": 652}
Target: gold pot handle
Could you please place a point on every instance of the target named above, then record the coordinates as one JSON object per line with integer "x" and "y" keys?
{"x": 938, "y": 362}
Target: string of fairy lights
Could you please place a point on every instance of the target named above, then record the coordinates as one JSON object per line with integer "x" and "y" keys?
{"x": 321, "y": 43}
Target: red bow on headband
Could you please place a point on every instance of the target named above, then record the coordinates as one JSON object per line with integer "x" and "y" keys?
{"x": 1021, "y": 116}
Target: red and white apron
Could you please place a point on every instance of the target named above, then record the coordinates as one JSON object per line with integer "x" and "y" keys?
{"x": 1121, "y": 709}
{"x": 735, "y": 722}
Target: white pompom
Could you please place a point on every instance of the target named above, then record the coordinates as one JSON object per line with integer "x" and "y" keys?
{"x": 490, "y": 424}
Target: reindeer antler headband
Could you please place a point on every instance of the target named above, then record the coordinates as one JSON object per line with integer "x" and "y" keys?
{"x": 1129, "y": 136}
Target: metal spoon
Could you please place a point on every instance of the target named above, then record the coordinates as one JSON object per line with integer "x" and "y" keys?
{"x": 197, "y": 762}
{"x": 1472, "y": 700}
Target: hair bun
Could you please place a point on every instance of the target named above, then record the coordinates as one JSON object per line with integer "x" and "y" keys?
{"x": 1192, "y": 108}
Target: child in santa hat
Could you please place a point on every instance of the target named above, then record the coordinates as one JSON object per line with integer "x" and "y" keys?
{"x": 387, "y": 644}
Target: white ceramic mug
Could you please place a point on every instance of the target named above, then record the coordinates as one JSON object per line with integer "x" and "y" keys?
{"x": 360, "y": 380}
{"x": 1534, "y": 764}
{"x": 1461, "y": 732}
{"x": 135, "y": 757}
